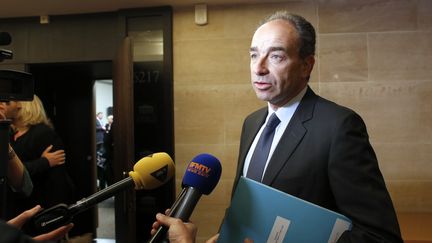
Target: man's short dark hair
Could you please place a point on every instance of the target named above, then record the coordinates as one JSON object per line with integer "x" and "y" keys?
{"x": 304, "y": 28}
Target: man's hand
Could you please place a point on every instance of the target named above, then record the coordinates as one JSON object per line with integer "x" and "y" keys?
{"x": 54, "y": 158}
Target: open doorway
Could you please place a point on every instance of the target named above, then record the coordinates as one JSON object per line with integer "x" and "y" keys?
{"x": 66, "y": 90}
{"x": 103, "y": 90}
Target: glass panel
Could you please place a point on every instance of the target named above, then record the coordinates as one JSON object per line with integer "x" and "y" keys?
{"x": 147, "y": 37}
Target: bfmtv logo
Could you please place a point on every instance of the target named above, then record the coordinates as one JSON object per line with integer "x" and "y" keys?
{"x": 199, "y": 169}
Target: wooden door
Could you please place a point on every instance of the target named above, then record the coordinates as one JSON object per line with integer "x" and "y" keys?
{"x": 124, "y": 141}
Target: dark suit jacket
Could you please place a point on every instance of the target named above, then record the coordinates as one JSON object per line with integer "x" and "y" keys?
{"x": 325, "y": 157}
{"x": 99, "y": 132}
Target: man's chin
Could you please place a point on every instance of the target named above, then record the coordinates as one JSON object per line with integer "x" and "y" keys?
{"x": 263, "y": 97}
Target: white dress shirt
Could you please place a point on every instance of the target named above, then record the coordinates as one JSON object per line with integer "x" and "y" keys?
{"x": 284, "y": 114}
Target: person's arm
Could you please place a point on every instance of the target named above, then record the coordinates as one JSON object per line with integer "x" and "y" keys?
{"x": 18, "y": 177}
{"x": 11, "y": 234}
{"x": 48, "y": 146}
{"x": 54, "y": 158}
{"x": 358, "y": 185}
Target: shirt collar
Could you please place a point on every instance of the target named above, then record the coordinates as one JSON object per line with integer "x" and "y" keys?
{"x": 285, "y": 112}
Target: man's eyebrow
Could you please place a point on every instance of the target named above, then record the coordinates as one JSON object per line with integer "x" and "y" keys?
{"x": 277, "y": 48}
{"x": 273, "y": 48}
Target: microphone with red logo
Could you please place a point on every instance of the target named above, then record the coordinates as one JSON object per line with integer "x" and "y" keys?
{"x": 201, "y": 177}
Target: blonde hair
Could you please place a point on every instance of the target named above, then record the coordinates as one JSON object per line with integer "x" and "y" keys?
{"x": 32, "y": 113}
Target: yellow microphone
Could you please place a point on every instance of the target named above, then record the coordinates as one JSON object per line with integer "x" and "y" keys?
{"x": 148, "y": 173}
{"x": 152, "y": 171}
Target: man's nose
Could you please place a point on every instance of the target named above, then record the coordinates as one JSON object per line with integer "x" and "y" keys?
{"x": 260, "y": 67}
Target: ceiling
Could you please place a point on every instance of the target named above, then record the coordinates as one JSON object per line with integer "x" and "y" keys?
{"x": 27, "y": 8}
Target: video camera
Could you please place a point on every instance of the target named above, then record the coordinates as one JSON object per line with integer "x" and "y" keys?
{"x": 14, "y": 85}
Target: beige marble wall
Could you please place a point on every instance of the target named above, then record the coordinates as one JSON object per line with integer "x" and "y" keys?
{"x": 372, "y": 56}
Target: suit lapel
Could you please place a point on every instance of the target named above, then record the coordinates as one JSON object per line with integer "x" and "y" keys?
{"x": 291, "y": 138}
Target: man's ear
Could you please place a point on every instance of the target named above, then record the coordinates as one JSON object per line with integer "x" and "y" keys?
{"x": 308, "y": 64}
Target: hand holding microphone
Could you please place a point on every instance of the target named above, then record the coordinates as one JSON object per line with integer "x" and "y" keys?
{"x": 201, "y": 177}
{"x": 148, "y": 173}
{"x": 179, "y": 231}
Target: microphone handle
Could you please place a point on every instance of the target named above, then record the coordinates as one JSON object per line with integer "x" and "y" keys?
{"x": 160, "y": 234}
{"x": 186, "y": 206}
{"x": 182, "y": 209}
{"x": 101, "y": 195}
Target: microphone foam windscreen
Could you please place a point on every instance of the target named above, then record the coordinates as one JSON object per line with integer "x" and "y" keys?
{"x": 203, "y": 173}
{"x": 152, "y": 171}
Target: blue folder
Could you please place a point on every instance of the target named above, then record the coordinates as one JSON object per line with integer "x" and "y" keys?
{"x": 265, "y": 214}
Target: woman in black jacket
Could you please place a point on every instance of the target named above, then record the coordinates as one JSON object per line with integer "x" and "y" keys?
{"x": 41, "y": 150}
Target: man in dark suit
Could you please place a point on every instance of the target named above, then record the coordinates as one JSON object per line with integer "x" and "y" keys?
{"x": 312, "y": 148}
{"x": 319, "y": 151}
{"x": 100, "y": 131}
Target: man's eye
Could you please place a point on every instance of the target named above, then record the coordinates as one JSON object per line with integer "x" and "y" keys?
{"x": 253, "y": 55}
{"x": 277, "y": 57}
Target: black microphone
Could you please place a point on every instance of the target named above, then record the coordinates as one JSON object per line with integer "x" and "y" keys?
{"x": 5, "y": 38}
{"x": 148, "y": 173}
{"x": 201, "y": 177}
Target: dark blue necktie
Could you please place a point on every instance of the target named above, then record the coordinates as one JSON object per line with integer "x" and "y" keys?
{"x": 262, "y": 149}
